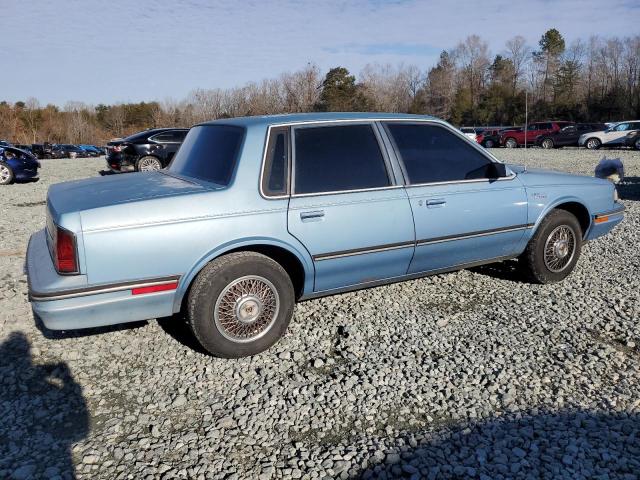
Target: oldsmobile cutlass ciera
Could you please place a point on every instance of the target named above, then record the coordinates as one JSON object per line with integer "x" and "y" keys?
{"x": 254, "y": 214}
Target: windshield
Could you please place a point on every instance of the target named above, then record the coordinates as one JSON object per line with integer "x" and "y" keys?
{"x": 209, "y": 152}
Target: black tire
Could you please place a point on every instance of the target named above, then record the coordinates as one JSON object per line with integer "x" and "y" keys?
{"x": 538, "y": 267}
{"x": 148, "y": 163}
{"x": 489, "y": 143}
{"x": 547, "y": 144}
{"x": 593, "y": 143}
{"x": 6, "y": 174}
{"x": 511, "y": 143}
{"x": 636, "y": 144}
{"x": 215, "y": 284}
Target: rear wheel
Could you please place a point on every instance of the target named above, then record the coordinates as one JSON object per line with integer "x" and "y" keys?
{"x": 511, "y": 143}
{"x": 148, "y": 164}
{"x": 6, "y": 174}
{"x": 593, "y": 144}
{"x": 636, "y": 144}
{"x": 547, "y": 143}
{"x": 553, "y": 252}
{"x": 240, "y": 304}
{"x": 489, "y": 144}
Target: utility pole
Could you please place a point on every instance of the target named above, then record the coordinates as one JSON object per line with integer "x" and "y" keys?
{"x": 526, "y": 117}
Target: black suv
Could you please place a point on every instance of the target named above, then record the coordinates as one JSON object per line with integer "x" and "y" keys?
{"x": 149, "y": 150}
{"x": 568, "y": 136}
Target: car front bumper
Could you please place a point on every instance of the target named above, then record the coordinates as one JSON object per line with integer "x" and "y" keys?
{"x": 66, "y": 302}
{"x": 603, "y": 223}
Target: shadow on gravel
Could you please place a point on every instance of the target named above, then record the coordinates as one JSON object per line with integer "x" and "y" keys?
{"x": 42, "y": 413}
{"x": 572, "y": 445}
{"x": 507, "y": 270}
{"x": 106, "y": 172}
{"x": 629, "y": 188}
{"x": 85, "y": 332}
{"x": 176, "y": 326}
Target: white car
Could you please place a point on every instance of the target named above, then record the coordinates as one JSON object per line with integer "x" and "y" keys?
{"x": 469, "y": 132}
{"x": 614, "y": 136}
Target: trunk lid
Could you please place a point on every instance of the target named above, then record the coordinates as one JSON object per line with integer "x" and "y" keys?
{"x": 92, "y": 193}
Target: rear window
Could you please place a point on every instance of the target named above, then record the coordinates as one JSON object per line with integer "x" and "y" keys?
{"x": 209, "y": 152}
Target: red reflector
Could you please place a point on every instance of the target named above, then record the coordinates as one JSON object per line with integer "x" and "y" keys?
{"x": 66, "y": 252}
{"x": 154, "y": 288}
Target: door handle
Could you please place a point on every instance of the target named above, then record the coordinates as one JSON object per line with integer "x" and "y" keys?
{"x": 436, "y": 202}
{"x": 312, "y": 216}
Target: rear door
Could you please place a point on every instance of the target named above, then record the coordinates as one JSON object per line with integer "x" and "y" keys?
{"x": 461, "y": 216}
{"x": 347, "y": 207}
{"x": 616, "y": 136}
{"x": 167, "y": 144}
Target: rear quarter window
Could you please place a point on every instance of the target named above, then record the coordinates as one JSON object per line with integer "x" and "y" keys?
{"x": 210, "y": 153}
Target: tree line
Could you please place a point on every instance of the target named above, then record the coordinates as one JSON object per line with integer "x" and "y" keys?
{"x": 593, "y": 80}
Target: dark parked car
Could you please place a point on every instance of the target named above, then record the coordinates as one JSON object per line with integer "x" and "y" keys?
{"x": 16, "y": 164}
{"x": 90, "y": 151}
{"x": 144, "y": 151}
{"x": 66, "y": 151}
{"x": 568, "y": 136}
{"x": 490, "y": 137}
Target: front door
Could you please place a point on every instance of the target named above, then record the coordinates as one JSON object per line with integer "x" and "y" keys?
{"x": 461, "y": 215}
{"x": 346, "y": 208}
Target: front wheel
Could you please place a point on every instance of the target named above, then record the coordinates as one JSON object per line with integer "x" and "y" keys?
{"x": 593, "y": 144}
{"x": 489, "y": 144}
{"x": 511, "y": 143}
{"x": 553, "y": 252}
{"x": 148, "y": 164}
{"x": 636, "y": 144}
{"x": 6, "y": 174}
{"x": 240, "y": 304}
{"x": 547, "y": 143}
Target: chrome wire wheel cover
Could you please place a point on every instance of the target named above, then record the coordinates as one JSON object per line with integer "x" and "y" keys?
{"x": 547, "y": 143}
{"x": 149, "y": 164}
{"x": 559, "y": 248}
{"x": 5, "y": 174}
{"x": 592, "y": 143}
{"x": 247, "y": 309}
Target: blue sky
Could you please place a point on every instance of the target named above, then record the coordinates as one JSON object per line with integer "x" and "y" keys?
{"x": 133, "y": 50}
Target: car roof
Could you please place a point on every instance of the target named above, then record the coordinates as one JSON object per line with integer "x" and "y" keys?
{"x": 266, "y": 120}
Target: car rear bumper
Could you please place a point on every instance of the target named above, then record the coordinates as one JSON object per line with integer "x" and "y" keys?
{"x": 118, "y": 162}
{"x": 69, "y": 303}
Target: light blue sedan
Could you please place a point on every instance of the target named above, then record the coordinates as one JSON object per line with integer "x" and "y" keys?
{"x": 257, "y": 213}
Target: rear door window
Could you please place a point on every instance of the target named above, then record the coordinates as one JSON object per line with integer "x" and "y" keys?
{"x": 338, "y": 158}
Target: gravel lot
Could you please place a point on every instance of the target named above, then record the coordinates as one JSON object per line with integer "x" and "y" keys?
{"x": 472, "y": 374}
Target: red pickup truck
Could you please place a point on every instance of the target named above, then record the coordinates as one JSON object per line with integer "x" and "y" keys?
{"x": 516, "y": 138}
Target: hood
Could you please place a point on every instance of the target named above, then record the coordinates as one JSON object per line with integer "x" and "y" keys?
{"x": 532, "y": 177}
{"x": 99, "y": 192}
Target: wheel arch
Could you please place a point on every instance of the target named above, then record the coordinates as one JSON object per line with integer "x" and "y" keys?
{"x": 573, "y": 205}
{"x": 298, "y": 264}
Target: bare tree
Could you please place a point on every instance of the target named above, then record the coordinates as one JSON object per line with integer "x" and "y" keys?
{"x": 472, "y": 56}
{"x": 519, "y": 53}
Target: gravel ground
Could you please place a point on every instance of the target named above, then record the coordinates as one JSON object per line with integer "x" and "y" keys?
{"x": 473, "y": 374}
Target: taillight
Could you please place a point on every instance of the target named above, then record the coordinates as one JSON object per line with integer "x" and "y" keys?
{"x": 479, "y": 138}
{"x": 65, "y": 247}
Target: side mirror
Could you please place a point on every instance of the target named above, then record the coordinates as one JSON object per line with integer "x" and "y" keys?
{"x": 497, "y": 170}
